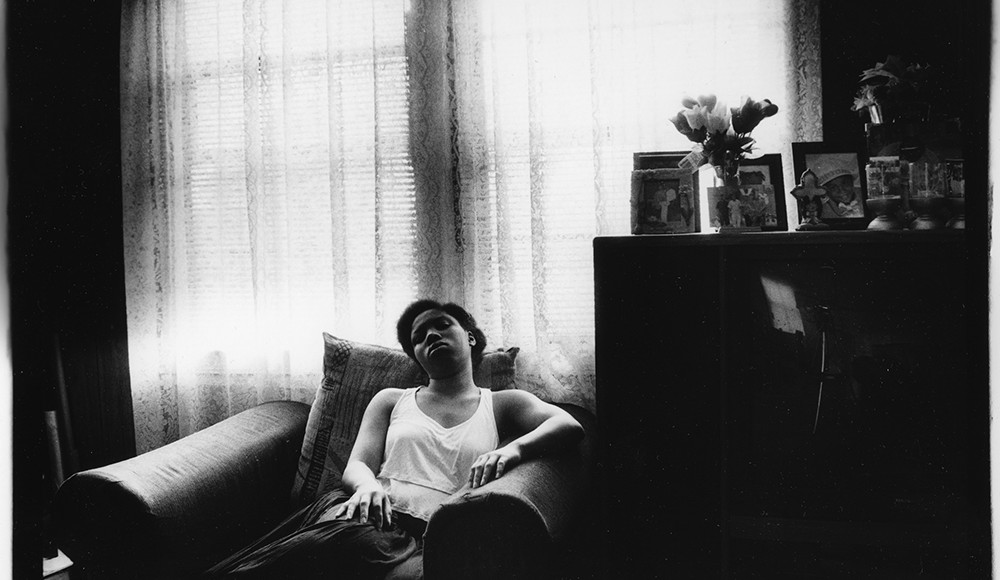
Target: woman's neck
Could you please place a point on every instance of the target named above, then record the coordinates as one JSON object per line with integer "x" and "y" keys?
{"x": 453, "y": 385}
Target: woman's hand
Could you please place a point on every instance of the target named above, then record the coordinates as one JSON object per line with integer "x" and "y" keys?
{"x": 369, "y": 499}
{"x": 492, "y": 465}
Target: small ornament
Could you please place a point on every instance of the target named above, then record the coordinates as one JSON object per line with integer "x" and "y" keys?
{"x": 809, "y": 196}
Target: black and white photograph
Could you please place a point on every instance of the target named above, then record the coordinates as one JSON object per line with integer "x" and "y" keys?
{"x": 759, "y": 201}
{"x": 664, "y": 201}
{"x": 839, "y": 171}
{"x": 436, "y": 290}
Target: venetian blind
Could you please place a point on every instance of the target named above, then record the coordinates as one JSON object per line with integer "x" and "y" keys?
{"x": 295, "y": 150}
{"x": 283, "y": 203}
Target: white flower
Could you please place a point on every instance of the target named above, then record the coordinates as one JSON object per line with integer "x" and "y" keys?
{"x": 719, "y": 119}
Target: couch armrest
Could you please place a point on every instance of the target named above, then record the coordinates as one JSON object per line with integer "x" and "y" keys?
{"x": 508, "y": 527}
{"x": 173, "y": 511}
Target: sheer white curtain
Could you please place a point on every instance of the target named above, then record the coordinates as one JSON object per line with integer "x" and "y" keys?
{"x": 295, "y": 167}
{"x": 269, "y": 196}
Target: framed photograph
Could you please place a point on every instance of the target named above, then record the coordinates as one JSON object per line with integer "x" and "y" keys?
{"x": 664, "y": 201}
{"x": 955, "y": 169}
{"x": 758, "y": 204}
{"x": 833, "y": 193}
{"x": 658, "y": 159}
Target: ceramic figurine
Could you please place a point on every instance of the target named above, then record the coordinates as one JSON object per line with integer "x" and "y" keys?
{"x": 809, "y": 196}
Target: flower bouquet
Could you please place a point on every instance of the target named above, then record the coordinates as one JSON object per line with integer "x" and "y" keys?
{"x": 892, "y": 87}
{"x": 721, "y": 134}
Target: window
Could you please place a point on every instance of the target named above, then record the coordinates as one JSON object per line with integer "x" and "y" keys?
{"x": 309, "y": 166}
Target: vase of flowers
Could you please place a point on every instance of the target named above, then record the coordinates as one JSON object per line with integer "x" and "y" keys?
{"x": 893, "y": 90}
{"x": 721, "y": 135}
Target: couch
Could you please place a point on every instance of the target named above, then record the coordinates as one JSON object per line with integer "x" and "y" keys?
{"x": 175, "y": 511}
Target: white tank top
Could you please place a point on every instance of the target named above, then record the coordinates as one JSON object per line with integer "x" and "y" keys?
{"x": 425, "y": 463}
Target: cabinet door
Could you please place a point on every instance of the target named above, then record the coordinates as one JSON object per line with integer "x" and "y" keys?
{"x": 723, "y": 457}
{"x": 658, "y": 397}
{"x": 847, "y": 417}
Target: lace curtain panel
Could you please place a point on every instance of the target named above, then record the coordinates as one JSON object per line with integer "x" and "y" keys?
{"x": 298, "y": 167}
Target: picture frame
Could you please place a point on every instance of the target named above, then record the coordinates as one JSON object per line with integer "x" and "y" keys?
{"x": 955, "y": 172}
{"x": 828, "y": 199}
{"x": 759, "y": 202}
{"x": 664, "y": 201}
{"x": 658, "y": 159}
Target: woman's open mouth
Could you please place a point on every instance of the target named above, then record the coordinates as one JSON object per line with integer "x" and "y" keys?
{"x": 436, "y": 346}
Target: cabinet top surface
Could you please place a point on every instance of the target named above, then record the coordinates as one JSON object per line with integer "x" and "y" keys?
{"x": 783, "y": 238}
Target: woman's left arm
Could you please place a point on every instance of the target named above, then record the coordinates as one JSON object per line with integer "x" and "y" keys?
{"x": 542, "y": 428}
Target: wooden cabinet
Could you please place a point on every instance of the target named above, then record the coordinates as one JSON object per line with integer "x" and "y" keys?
{"x": 793, "y": 405}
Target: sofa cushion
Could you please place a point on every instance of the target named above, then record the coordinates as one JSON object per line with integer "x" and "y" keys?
{"x": 352, "y": 373}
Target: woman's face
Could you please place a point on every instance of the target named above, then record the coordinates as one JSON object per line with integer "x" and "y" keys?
{"x": 439, "y": 342}
{"x": 841, "y": 189}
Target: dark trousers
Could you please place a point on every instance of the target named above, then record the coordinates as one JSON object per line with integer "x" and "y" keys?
{"x": 303, "y": 547}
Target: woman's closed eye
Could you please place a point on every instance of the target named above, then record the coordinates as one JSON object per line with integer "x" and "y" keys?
{"x": 438, "y": 325}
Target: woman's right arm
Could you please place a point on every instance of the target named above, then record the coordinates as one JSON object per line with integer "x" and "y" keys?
{"x": 368, "y": 498}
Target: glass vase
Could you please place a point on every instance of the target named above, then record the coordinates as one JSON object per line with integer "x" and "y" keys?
{"x": 727, "y": 173}
{"x": 727, "y": 210}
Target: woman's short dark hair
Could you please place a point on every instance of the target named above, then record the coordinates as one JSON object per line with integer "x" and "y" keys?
{"x": 404, "y": 327}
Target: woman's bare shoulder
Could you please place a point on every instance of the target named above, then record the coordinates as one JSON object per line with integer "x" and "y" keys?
{"x": 515, "y": 398}
{"x": 386, "y": 399}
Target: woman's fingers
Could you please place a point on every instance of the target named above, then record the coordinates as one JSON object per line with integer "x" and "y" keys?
{"x": 486, "y": 468}
{"x": 374, "y": 506}
{"x": 386, "y": 511}
{"x": 363, "y": 504}
{"x": 472, "y": 472}
{"x": 369, "y": 505}
{"x": 489, "y": 469}
{"x": 377, "y": 509}
{"x": 476, "y": 475}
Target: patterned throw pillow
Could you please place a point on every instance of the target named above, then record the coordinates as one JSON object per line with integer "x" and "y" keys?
{"x": 352, "y": 373}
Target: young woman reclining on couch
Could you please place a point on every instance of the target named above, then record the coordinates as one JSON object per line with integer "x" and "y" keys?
{"x": 415, "y": 448}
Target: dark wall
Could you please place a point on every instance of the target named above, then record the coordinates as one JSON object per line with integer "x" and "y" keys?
{"x": 66, "y": 263}
{"x": 952, "y": 37}
{"x": 855, "y": 35}
{"x": 955, "y": 38}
